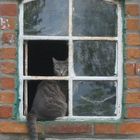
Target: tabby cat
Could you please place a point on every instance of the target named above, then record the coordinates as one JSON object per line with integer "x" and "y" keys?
{"x": 50, "y": 99}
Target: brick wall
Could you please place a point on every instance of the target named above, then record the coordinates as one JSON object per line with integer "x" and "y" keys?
{"x": 130, "y": 123}
{"x": 8, "y": 18}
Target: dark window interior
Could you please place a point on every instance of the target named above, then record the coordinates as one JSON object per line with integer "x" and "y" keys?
{"x": 40, "y": 54}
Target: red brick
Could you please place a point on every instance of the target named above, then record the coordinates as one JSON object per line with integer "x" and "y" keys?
{"x": 133, "y": 24}
{"x": 6, "y": 111}
{"x": 133, "y": 9}
{"x": 137, "y": 69}
{"x": 133, "y": 39}
{"x": 133, "y": 112}
{"x": 133, "y": 98}
{"x": 133, "y": 53}
{"x": 105, "y": 129}
{"x": 69, "y": 129}
{"x": 133, "y": 82}
{"x": 12, "y": 23}
{"x": 7, "y": 98}
{"x": 13, "y": 127}
{"x": 8, "y": 9}
{"x": 130, "y": 69}
{"x": 7, "y": 67}
{"x": 8, "y": 37}
{"x": 130, "y": 128}
{"x": 7, "y": 53}
{"x": 7, "y": 83}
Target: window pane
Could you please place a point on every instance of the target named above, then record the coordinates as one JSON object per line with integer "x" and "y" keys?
{"x": 94, "y": 58}
{"x": 94, "y": 18}
{"x": 46, "y": 17}
{"x": 94, "y": 98}
{"x": 34, "y": 84}
{"x": 40, "y": 55}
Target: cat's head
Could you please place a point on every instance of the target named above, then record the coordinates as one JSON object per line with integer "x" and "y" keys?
{"x": 60, "y": 67}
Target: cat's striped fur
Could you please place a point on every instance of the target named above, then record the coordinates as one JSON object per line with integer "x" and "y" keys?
{"x": 50, "y": 99}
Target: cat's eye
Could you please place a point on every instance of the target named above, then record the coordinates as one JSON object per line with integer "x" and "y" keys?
{"x": 57, "y": 68}
{"x": 86, "y": 33}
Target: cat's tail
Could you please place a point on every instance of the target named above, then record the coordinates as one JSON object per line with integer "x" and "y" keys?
{"x": 32, "y": 126}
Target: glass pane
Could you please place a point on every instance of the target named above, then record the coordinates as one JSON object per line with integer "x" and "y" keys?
{"x": 94, "y": 18}
{"x": 94, "y": 58}
{"x": 46, "y": 17}
{"x": 94, "y": 98}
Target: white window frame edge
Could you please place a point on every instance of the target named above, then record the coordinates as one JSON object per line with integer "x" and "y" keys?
{"x": 120, "y": 62}
{"x": 20, "y": 61}
{"x": 70, "y": 39}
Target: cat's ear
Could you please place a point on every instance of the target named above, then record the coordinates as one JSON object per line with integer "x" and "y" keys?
{"x": 54, "y": 60}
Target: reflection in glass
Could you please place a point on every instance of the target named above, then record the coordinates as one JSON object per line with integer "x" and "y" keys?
{"x": 94, "y": 98}
{"x": 46, "y": 17}
{"x": 94, "y": 58}
{"x": 94, "y": 18}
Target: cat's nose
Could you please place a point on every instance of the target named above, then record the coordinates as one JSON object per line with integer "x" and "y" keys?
{"x": 61, "y": 73}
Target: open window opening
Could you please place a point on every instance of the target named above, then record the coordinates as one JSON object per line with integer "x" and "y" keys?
{"x": 39, "y": 55}
{"x": 32, "y": 86}
{"x": 38, "y": 62}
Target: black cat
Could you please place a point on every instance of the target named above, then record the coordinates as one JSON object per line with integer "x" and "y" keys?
{"x": 50, "y": 99}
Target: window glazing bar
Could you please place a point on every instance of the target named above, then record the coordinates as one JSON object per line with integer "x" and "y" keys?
{"x": 95, "y": 78}
{"x": 31, "y": 37}
{"x": 70, "y": 91}
{"x": 69, "y": 77}
{"x": 26, "y": 58}
{"x": 25, "y": 98}
{"x": 95, "y": 38}
{"x": 45, "y": 78}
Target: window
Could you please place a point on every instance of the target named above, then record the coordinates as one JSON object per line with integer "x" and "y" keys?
{"x": 89, "y": 34}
